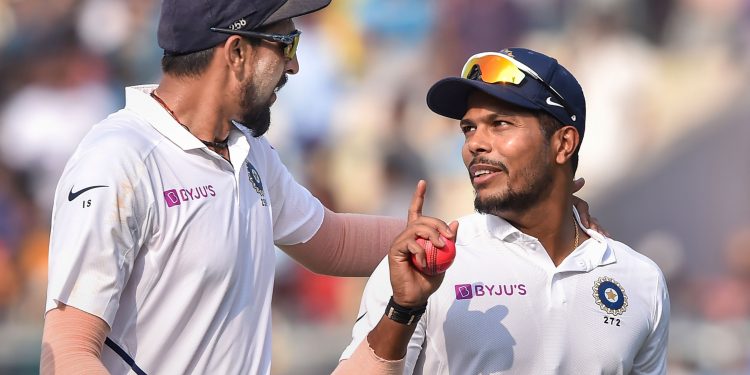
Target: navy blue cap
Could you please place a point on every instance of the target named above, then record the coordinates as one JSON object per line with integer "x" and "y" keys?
{"x": 449, "y": 96}
{"x": 185, "y": 25}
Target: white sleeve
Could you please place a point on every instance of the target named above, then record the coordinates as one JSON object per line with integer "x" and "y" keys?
{"x": 652, "y": 357}
{"x": 101, "y": 211}
{"x": 416, "y": 343}
{"x": 375, "y": 297}
{"x": 297, "y": 214}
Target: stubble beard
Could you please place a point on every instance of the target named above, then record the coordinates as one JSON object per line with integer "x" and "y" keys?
{"x": 539, "y": 184}
{"x": 257, "y": 116}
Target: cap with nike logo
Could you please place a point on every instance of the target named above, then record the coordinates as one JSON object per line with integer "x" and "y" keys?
{"x": 449, "y": 96}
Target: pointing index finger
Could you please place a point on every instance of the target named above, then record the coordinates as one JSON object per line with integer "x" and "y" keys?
{"x": 417, "y": 200}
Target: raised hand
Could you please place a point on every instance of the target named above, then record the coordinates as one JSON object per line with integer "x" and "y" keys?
{"x": 412, "y": 288}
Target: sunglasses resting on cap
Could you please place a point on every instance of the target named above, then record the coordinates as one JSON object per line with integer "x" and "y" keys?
{"x": 494, "y": 67}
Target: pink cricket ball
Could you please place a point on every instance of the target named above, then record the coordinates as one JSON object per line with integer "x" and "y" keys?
{"x": 438, "y": 258}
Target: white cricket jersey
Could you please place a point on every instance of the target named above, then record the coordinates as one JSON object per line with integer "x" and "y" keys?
{"x": 172, "y": 245}
{"x": 504, "y": 308}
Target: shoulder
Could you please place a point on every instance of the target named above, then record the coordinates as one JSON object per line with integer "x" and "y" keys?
{"x": 267, "y": 160}
{"x": 117, "y": 146}
{"x": 473, "y": 219}
{"x": 261, "y": 142}
{"x": 121, "y": 135}
{"x": 260, "y": 147}
{"x": 638, "y": 266}
{"x": 472, "y": 223}
{"x": 471, "y": 226}
{"x": 632, "y": 258}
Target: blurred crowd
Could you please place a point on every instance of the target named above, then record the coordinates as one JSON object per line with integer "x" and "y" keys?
{"x": 659, "y": 77}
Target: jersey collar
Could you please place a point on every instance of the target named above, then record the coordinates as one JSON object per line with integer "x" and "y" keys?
{"x": 592, "y": 253}
{"x": 139, "y": 100}
{"x": 501, "y": 229}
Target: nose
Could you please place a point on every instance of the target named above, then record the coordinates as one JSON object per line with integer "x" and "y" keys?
{"x": 477, "y": 143}
{"x": 292, "y": 66}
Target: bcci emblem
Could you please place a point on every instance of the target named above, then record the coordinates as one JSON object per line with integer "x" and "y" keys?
{"x": 254, "y": 178}
{"x": 610, "y": 296}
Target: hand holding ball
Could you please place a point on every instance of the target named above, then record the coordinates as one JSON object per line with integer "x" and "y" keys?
{"x": 438, "y": 258}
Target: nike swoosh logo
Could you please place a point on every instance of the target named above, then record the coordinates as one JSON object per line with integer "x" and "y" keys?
{"x": 72, "y": 195}
{"x": 550, "y": 102}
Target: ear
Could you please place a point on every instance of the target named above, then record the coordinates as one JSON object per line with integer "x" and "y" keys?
{"x": 236, "y": 52}
{"x": 565, "y": 143}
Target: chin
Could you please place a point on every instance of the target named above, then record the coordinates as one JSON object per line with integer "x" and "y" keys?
{"x": 485, "y": 192}
{"x": 490, "y": 203}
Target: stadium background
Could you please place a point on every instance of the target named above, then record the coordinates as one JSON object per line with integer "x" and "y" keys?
{"x": 665, "y": 157}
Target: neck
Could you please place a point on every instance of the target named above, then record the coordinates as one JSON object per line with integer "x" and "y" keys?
{"x": 195, "y": 104}
{"x": 552, "y": 222}
{"x": 215, "y": 144}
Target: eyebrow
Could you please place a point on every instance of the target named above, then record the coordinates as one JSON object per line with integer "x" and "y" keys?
{"x": 488, "y": 118}
{"x": 466, "y": 122}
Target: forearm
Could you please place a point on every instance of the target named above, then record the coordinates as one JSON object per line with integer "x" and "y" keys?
{"x": 347, "y": 244}
{"x": 382, "y": 352}
{"x": 389, "y": 340}
{"x": 72, "y": 343}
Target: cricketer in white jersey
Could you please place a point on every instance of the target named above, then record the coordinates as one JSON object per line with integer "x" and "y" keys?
{"x": 134, "y": 242}
{"x": 504, "y": 308}
{"x": 531, "y": 291}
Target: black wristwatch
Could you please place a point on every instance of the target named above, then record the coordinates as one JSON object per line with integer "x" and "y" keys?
{"x": 404, "y": 315}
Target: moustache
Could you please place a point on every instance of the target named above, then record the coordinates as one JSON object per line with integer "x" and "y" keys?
{"x": 481, "y": 160}
{"x": 282, "y": 82}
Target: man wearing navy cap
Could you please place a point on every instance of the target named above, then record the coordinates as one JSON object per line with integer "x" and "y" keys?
{"x": 531, "y": 290}
{"x": 162, "y": 248}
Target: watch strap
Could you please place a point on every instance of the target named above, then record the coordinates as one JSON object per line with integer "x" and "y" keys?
{"x": 404, "y": 315}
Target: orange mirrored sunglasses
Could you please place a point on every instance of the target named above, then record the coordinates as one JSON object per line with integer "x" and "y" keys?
{"x": 494, "y": 67}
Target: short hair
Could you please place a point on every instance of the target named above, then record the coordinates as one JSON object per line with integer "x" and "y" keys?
{"x": 549, "y": 126}
{"x": 192, "y": 64}
{"x": 187, "y": 65}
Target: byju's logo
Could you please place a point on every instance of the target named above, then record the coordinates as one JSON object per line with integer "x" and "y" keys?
{"x": 172, "y": 198}
{"x": 175, "y": 197}
{"x": 469, "y": 291}
{"x": 463, "y": 291}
